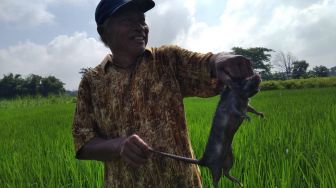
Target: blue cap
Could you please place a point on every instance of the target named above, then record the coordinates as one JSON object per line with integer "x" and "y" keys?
{"x": 107, "y": 8}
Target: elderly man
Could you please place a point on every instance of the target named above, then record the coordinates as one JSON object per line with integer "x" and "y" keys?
{"x": 133, "y": 100}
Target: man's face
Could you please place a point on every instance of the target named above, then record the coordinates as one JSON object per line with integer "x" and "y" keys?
{"x": 127, "y": 32}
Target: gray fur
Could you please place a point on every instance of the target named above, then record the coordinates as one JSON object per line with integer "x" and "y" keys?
{"x": 230, "y": 113}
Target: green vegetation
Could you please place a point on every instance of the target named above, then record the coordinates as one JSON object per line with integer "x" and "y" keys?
{"x": 14, "y": 85}
{"x": 294, "y": 146}
{"x": 299, "y": 83}
{"x": 288, "y": 64}
{"x": 36, "y": 148}
{"x": 259, "y": 57}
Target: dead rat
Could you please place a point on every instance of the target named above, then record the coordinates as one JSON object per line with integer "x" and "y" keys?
{"x": 230, "y": 113}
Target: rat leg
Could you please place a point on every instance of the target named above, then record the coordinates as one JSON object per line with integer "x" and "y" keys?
{"x": 216, "y": 174}
{"x": 233, "y": 179}
{"x": 235, "y": 111}
{"x": 241, "y": 114}
{"x": 245, "y": 116}
{"x": 254, "y": 111}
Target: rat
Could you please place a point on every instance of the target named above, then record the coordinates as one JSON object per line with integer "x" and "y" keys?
{"x": 230, "y": 114}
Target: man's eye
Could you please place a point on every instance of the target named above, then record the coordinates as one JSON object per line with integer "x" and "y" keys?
{"x": 133, "y": 21}
{"x": 125, "y": 21}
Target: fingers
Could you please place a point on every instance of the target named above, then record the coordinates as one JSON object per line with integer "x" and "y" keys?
{"x": 233, "y": 69}
{"x": 225, "y": 78}
{"x": 142, "y": 145}
{"x": 235, "y": 66}
{"x": 246, "y": 68}
{"x": 134, "y": 151}
{"x": 133, "y": 158}
{"x": 240, "y": 67}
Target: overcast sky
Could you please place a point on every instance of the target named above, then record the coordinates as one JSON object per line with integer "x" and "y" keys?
{"x": 58, "y": 37}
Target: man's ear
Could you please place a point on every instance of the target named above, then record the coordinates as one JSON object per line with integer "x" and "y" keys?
{"x": 100, "y": 30}
{"x": 102, "y": 34}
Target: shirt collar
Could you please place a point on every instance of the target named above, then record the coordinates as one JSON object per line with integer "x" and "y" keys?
{"x": 108, "y": 59}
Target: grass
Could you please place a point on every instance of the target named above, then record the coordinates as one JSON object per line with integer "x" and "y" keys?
{"x": 36, "y": 148}
{"x": 295, "y": 146}
{"x": 318, "y": 82}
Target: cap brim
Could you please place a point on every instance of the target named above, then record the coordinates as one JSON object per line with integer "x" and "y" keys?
{"x": 142, "y": 5}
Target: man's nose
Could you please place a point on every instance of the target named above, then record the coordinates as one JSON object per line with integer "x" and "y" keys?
{"x": 140, "y": 26}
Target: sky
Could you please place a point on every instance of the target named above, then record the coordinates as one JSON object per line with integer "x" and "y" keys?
{"x": 59, "y": 37}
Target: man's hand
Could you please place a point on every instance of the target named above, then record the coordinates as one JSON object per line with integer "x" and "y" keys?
{"x": 134, "y": 151}
{"x": 227, "y": 67}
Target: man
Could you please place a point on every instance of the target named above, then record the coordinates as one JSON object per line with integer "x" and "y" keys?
{"x": 133, "y": 100}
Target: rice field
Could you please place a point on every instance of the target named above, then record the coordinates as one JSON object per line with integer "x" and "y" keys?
{"x": 294, "y": 146}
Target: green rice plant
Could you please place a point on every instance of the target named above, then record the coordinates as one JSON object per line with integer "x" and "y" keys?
{"x": 30, "y": 101}
{"x": 294, "y": 146}
{"x": 36, "y": 148}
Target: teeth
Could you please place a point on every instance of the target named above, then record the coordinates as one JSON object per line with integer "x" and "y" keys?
{"x": 138, "y": 38}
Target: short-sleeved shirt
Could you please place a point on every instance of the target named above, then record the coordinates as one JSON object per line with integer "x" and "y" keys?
{"x": 147, "y": 101}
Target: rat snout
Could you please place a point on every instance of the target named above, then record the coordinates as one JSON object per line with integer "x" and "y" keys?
{"x": 251, "y": 86}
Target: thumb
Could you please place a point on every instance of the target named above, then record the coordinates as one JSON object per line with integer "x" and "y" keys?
{"x": 224, "y": 78}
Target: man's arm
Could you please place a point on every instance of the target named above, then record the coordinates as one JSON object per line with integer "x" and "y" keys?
{"x": 132, "y": 150}
{"x": 100, "y": 149}
{"x": 90, "y": 146}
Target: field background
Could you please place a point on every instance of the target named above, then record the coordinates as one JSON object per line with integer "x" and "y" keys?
{"x": 295, "y": 146}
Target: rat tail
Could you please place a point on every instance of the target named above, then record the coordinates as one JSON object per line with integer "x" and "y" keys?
{"x": 176, "y": 157}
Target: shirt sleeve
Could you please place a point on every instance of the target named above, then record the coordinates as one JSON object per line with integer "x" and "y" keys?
{"x": 192, "y": 70}
{"x": 83, "y": 128}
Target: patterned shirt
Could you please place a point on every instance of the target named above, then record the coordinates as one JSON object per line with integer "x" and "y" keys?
{"x": 147, "y": 101}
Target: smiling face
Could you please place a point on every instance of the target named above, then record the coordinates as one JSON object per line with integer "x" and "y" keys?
{"x": 126, "y": 32}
